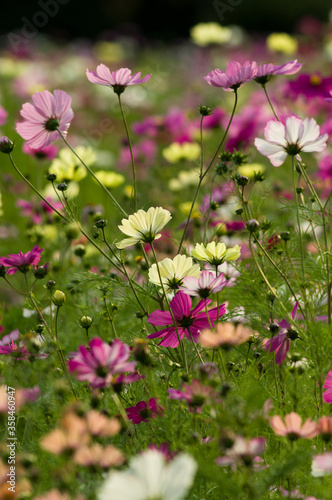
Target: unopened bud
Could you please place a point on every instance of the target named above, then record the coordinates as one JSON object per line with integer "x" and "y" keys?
{"x": 59, "y": 298}
{"x": 86, "y": 321}
{"x": 100, "y": 224}
{"x": 6, "y": 145}
{"x": 252, "y": 225}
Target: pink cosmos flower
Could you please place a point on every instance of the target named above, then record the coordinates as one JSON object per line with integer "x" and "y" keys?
{"x": 234, "y": 76}
{"x": 295, "y": 494}
{"x": 293, "y": 428}
{"x": 15, "y": 351}
{"x": 3, "y": 115}
{"x": 281, "y": 342}
{"x": 188, "y": 323}
{"x": 11, "y": 337}
{"x": 144, "y": 411}
{"x": 244, "y": 451}
{"x": 290, "y": 139}
{"x": 48, "y": 113}
{"x": 103, "y": 365}
{"x": 203, "y": 286}
{"x": 327, "y": 395}
{"x": 119, "y": 79}
{"x": 195, "y": 394}
{"x": 38, "y": 208}
{"x": 48, "y": 152}
{"x": 21, "y": 261}
{"x": 164, "y": 449}
{"x": 266, "y": 71}
{"x": 322, "y": 464}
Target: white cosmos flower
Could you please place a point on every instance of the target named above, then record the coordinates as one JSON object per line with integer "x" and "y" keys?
{"x": 216, "y": 253}
{"x": 173, "y": 271}
{"x": 150, "y": 477}
{"x": 290, "y": 139}
{"x": 143, "y": 226}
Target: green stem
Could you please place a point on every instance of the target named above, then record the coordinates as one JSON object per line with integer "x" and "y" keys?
{"x": 298, "y": 217}
{"x": 131, "y": 152}
{"x": 202, "y": 175}
{"x": 208, "y": 211}
{"x": 270, "y": 103}
{"x": 322, "y": 208}
{"x": 93, "y": 175}
{"x": 195, "y": 347}
{"x": 36, "y": 190}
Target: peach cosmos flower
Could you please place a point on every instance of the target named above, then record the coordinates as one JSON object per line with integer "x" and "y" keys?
{"x": 292, "y": 427}
{"x": 228, "y": 335}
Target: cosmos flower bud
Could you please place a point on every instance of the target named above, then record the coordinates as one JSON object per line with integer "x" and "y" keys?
{"x": 6, "y": 145}
{"x": 51, "y": 177}
{"x": 141, "y": 352}
{"x": 40, "y": 271}
{"x": 242, "y": 180}
{"x": 2, "y": 270}
{"x": 204, "y": 110}
{"x": 252, "y": 225}
{"x": 50, "y": 285}
{"x": 79, "y": 250}
{"x": 86, "y": 321}
{"x": 59, "y": 298}
{"x": 285, "y": 235}
{"x": 100, "y": 224}
{"x": 63, "y": 186}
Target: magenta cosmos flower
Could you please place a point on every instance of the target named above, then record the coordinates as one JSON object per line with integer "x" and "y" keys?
{"x": 234, "y": 76}
{"x": 48, "y": 113}
{"x": 103, "y": 365}
{"x": 290, "y": 139}
{"x": 327, "y": 395}
{"x": 309, "y": 85}
{"x": 15, "y": 351}
{"x": 187, "y": 323}
{"x": 281, "y": 342}
{"x": 266, "y": 71}
{"x": 144, "y": 411}
{"x": 21, "y": 261}
{"x": 203, "y": 286}
{"x": 119, "y": 79}
{"x": 329, "y": 99}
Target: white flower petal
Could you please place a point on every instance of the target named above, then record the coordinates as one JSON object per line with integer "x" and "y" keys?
{"x": 293, "y": 129}
{"x": 275, "y": 132}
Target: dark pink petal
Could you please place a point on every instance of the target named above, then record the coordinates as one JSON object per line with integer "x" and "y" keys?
{"x": 159, "y": 318}
{"x": 180, "y": 305}
{"x": 282, "y": 351}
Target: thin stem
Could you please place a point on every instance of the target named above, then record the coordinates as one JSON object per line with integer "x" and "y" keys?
{"x": 202, "y": 175}
{"x": 36, "y": 190}
{"x": 270, "y": 103}
{"x": 195, "y": 347}
{"x": 208, "y": 210}
{"x": 93, "y": 175}
{"x": 298, "y": 217}
{"x": 322, "y": 208}
{"x": 279, "y": 271}
{"x": 131, "y": 152}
